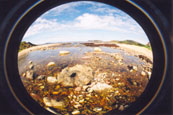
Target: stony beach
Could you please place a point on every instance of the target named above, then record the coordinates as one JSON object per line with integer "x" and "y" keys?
{"x": 94, "y": 82}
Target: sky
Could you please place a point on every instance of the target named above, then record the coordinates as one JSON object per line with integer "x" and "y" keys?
{"x": 83, "y": 21}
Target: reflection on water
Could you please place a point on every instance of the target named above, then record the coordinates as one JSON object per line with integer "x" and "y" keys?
{"x": 84, "y": 81}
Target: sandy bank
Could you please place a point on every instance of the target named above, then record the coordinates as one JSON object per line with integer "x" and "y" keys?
{"x": 136, "y": 50}
{"x": 40, "y": 47}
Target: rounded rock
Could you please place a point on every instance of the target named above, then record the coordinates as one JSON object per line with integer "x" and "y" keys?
{"x": 50, "y": 64}
{"x": 97, "y": 49}
{"x": 51, "y": 80}
{"x": 76, "y": 112}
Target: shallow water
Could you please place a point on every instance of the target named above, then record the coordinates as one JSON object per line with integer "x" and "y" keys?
{"x": 42, "y": 57}
{"x": 115, "y": 73}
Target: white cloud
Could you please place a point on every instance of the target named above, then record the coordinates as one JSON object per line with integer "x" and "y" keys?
{"x": 112, "y": 21}
{"x": 85, "y": 22}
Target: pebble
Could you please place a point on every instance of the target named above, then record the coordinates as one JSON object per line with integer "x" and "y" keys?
{"x": 90, "y": 90}
{"x": 143, "y": 73}
{"x": 78, "y": 89}
{"x": 85, "y": 87}
{"x": 47, "y": 102}
{"x": 31, "y": 66}
{"x": 41, "y": 77}
{"x": 77, "y": 106}
{"x": 76, "y": 112}
{"x": 97, "y": 49}
{"x": 149, "y": 75}
{"x": 51, "y": 64}
{"x": 117, "y": 79}
{"x": 47, "y": 108}
{"x": 24, "y": 74}
{"x": 62, "y": 53}
{"x": 58, "y": 104}
{"x": 81, "y": 101}
{"x": 121, "y": 108}
{"x": 97, "y": 109}
{"x": 134, "y": 83}
{"x": 29, "y": 74}
{"x": 135, "y": 68}
{"x": 30, "y": 62}
{"x": 51, "y": 80}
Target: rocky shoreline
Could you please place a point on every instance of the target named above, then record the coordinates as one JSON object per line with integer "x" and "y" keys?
{"x": 98, "y": 83}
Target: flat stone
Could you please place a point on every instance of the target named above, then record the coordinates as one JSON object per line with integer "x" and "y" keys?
{"x": 47, "y": 101}
{"x": 41, "y": 77}
{"x": 58, "y": 104}
{"x": 97, "y": 109}
{"x": 62, "y": 53}
{"x": 76, "y": 112}
{"x": 50, "y": 64}
{"x": 100, "y": 87}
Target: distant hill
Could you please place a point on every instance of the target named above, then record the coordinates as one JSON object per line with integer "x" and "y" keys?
{"x": 25, "y": 45}
{"x": 131, "y": 42}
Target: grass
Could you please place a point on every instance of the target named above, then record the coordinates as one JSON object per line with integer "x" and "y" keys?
{"x": 25, "y": 45}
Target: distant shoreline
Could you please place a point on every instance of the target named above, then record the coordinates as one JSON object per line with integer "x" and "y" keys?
{"x": 131, "y": 49}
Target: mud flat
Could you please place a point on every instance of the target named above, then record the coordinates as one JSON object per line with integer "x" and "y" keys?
{"x": 85, "y": 79}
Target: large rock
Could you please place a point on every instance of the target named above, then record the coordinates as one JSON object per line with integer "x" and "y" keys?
{"x": 77, "y": 75}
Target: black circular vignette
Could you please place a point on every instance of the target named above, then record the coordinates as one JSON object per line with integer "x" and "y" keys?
{"x": 17, "y": 35}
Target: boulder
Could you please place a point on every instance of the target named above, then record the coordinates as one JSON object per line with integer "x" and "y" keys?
{"x": 77, "y": 75}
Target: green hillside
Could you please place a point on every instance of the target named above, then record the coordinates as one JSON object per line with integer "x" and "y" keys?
{"x": 25, "y": 45}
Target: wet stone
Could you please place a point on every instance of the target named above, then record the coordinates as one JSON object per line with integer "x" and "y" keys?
{"x": 51, "y": 80}
{"x": 143, "y": 73}
{"x": 30, "y": 74}
{"x": 62, "y": 53}
{"x": 76, "y": 112}
{"x": 121, "y": 108}
{"x": 100, "y": 87}
{"x": 31, "y": 66}
{"x": 50, "y": 64}
{"x": 97, "y": 49}
{"x": 77, "y": 75}
{"x": 97, "y": 109}
{"x": 94, "y": 82}
{"x": 41, "y": 77}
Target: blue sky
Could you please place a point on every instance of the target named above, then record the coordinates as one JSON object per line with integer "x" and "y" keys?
{"x": 83, "y": 21}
